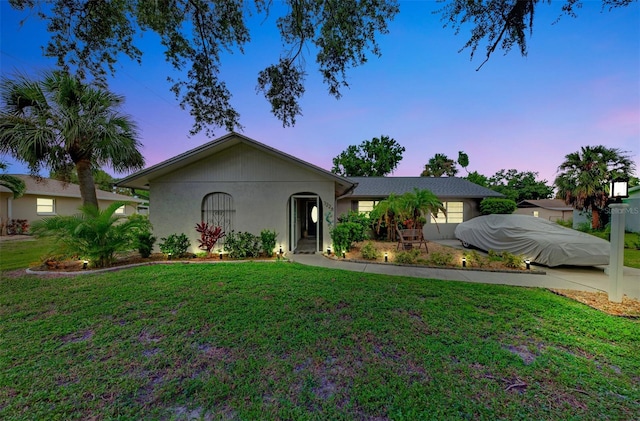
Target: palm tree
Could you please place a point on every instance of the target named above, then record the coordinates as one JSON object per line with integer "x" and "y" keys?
{"x": 61, "y": 124}
{"x": 14, "y": 184}
{"x": 585, "y": 175}
{"x": 440, "y": 165}
{"x": 94, "y": 234}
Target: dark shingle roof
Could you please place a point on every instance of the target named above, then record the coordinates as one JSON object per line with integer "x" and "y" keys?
{"x": 440, "y": 186}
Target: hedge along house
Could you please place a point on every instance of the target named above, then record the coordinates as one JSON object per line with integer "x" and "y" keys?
{"x": 240, "y": 184}
{"x": 45, "y": 197}
{"x": 460, "y": 198}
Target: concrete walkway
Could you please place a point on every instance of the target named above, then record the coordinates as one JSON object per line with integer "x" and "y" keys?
{"x": 591, "y": 279}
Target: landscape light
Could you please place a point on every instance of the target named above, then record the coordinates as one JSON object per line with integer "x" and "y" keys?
{"x": 528, "y": 263}
{"x": 386, "y": 256}
{"x": 84, "y": 264}
{"x": 169, "y": 255}
{"x": 344, "y": 255}
{"x": 220, "y": 255}
{"x": 328, "y": 251}
{"x": 464, "y": 262}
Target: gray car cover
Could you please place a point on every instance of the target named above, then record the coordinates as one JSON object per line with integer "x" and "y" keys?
{"x": 542, "y": 241}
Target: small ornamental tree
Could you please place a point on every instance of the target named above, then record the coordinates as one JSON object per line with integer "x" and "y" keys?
{"x": 209, "y": 236}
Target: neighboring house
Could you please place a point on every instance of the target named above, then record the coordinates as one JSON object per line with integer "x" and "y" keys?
{"x": 549, "y": 209}
{"x": 240, "y": 184}
{"x": 632, "y": 218}
{"x": 46, "y": 197}
{"x": 461, "y": 199}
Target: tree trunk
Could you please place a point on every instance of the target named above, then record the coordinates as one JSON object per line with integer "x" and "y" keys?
{"x": 87, "y": 185}
{"x": 595, "y": 218}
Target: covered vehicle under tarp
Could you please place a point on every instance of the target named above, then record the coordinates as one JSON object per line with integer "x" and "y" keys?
{"x": 541, "y": 241}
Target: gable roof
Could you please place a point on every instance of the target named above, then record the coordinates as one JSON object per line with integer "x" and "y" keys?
{"x": 141, "y": 179}
{"x": 442, "y": 187}
{"x": 550, "y": 204}
{"x": 56, "y": 188}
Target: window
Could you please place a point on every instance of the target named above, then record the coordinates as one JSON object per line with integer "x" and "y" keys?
{"x": 218, "y": 210}
{"x": 45, "y": 206}
{"x": 536, "y": 214}
{"x": 455, "y": 213}
{"x": 366, "y": 206}
{"x": 120, "y": 210}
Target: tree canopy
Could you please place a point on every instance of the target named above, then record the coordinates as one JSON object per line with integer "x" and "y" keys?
{"x": 63, "y": 124}
{"x": 372, "y": 158}
{"x": 439, "y": 166}
{"x": 14, "y": 184}
{"x": 89, "y": 37}
{"x": 584, "y": 177}
{"x": 519, "y": 186}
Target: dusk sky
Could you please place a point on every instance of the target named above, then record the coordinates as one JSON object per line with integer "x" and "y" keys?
{"x": 578, "y": 86}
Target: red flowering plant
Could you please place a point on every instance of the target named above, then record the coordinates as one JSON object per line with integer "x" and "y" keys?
{"x": 209, "y": 236}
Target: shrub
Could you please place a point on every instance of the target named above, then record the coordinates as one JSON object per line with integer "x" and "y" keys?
{"x": 567, "y": 224}
{"x": 441, "y": 259}
{"x": 491, "y": 205}
{"x": 345, "y": 234}
{"x": 511, "y": 260}
{"x": 475, "y": 259}
{"x": 268, "y": 240}
{"x": 409, "y": 257}
{"x": 209, "y": 236}
{"x": 369, "y": 251}
{"x": 242, "y": 244}
{"x": 145, "y": 243}
{"x": 494, "y": 256}
{"x": 176, "y": 245}
{"x": 94, "y": 234}
{"x": 17, "y": 227}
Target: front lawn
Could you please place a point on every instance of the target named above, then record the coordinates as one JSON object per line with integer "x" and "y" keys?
{"x": 286, "y": 341}
{"x": 21, "y": 252}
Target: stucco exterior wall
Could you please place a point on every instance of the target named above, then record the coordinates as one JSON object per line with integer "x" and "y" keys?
{"x": 260, "y": 184}
{"x": 25, "y": 207}
{"x": 549, "y": 215}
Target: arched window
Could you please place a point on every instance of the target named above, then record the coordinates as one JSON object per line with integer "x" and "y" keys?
{"x": 218, "y": 210}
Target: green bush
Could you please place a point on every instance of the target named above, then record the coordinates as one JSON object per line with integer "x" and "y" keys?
{"x": 93, "y": 234}
{"x": 491, "y": 205}
{"x": 176, "y": 245}
{"x": 345, "y": 234}
{"x": 441, "y": 259}
{"x": 144, "y": 243}
{"x": 475, "y": 259}
{"x": 268, "y": 240}
{"x": 511, "y": 260}
{"x": 409, "y": 257}
{"x": 369, "y": 251}
{"x": 242, "y": 244}
{"x": 567, "y": 224}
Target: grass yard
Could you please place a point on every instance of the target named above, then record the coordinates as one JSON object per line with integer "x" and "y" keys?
{"x": 285, "y": 341}
{"x": 20, "y": 254}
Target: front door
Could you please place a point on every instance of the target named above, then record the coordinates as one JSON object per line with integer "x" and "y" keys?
{"x": 304, "y": 222}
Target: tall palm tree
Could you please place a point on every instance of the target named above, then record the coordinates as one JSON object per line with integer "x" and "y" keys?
{"x": 439, "y": 166}
{"x": 61, "y": 123}
{"x": 14, "y": 184}
{"x": 585, "y": 175}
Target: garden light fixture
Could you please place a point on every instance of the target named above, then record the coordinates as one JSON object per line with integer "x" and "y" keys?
{"x": 386, "y": 256}
{"x": 464, "y": 262}
{"x": 527, "y": 262}
{"x": 84, "y": 264}
{"x": 619, "y": 189}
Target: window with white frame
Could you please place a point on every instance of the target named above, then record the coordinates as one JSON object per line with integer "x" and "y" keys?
{"x": 120, "y": 210}
{"x": 366, "y": 206}
{"x": 454, "y": 215}
{"x": 45, "y": 206}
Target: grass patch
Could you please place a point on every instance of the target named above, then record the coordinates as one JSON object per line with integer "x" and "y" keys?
{"x": 286, "y": 341}
{"x": 23, "y": 253}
